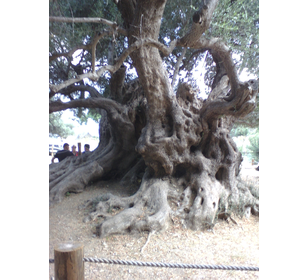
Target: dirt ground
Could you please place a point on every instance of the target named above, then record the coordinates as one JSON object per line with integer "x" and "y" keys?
{"x": 228, "y": 244}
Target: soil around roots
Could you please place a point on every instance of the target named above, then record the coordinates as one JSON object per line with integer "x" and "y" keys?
{"x": 228, "y": 244}
{"x": 158, "y": 202}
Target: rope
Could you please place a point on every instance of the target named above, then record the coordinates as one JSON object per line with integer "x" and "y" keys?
{"x": 168, "y": 265}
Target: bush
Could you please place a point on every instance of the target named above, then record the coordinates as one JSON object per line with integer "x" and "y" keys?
{"x": 254, "y": 147}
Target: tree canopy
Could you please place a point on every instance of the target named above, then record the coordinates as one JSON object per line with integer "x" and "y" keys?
{"x": 57, "y": 128}
{"x": 236, "y": 22}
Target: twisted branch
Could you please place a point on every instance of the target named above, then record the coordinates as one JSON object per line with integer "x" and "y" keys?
{"x": 201, "y": 22}
{"x": 94, "y": 76}
{"x": 96, "y": 102}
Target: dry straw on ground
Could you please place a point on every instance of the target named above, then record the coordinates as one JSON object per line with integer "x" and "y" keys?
{"x": 229, "y": 244}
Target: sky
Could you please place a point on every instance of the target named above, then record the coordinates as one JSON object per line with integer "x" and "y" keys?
{"x": 91, "y": 126}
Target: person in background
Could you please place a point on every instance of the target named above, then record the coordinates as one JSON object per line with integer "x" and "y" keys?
{"x": 86, "y": 148}
{"x": 74, "y": 151}
{"x": 61, "y": 155}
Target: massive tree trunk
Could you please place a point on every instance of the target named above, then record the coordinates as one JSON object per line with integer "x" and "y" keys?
{"x": 177, "y": 143}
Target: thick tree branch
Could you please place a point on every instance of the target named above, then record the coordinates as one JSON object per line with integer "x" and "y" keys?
{"x": 78, "y": 78}
{"x": 222, "y": 52}
{"x": 201, "y": 22}
{"x": 221, "y": 87}
{"x": 110, "y": 106}
{"x": 220, "y": 69}
{"x": 116, "y": 84}
{"x": 127, "y": 9}
{"x": 97, "y": 37}
{"x": 73, "y": 88}
{"x": 114, "y": 25}
{"x": 243, "y": 103}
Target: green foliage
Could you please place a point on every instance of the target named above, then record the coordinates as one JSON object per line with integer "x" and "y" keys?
{"x": 236, "y": 22}
{"x": 252, "y": 119}
{"x": 175, "y": 23}
{"x": 66, "y": 36}
{"x": 240, "y": 149}
{"x": 254, "y": 146}
{"x": 73, "y": 34}
{"x": 239, "y": 131}
{"x": 58, "y": 128}
{"x": 83, "y": 115}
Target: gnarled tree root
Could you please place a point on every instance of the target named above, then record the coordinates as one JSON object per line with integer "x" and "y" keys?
{"x": 147, "y": 210}
{"x": 75, "y": 180}
{"x": 196, "y": 205}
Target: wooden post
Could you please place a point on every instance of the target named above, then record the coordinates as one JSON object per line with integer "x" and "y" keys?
{"x": 69, "y": 263}
{"x": 79, "y": 149}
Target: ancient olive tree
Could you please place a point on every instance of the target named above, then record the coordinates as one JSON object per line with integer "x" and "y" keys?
{"x": 161, "y": 137}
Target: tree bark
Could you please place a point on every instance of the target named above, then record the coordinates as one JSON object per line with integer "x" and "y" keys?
{"x": 177, "y": 143}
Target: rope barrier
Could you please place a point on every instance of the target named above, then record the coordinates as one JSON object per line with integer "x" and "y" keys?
{"x": 167, "y": 265}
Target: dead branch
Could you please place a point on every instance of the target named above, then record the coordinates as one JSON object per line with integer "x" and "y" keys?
{"x": 146, "y": 243}
{"x": 233, "y": 220}
{"x": 90, "y": 20}
{"x": 201, "y": 22}
{"x": 96, "y": 39}
{"x": 70, "y": 53}
{"x": 177, "y": 66}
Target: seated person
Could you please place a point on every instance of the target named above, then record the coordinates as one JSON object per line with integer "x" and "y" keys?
{"x": 86, "y": 148}
{"x": 61, "y": 155}
{"x": 74, "y": 151}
